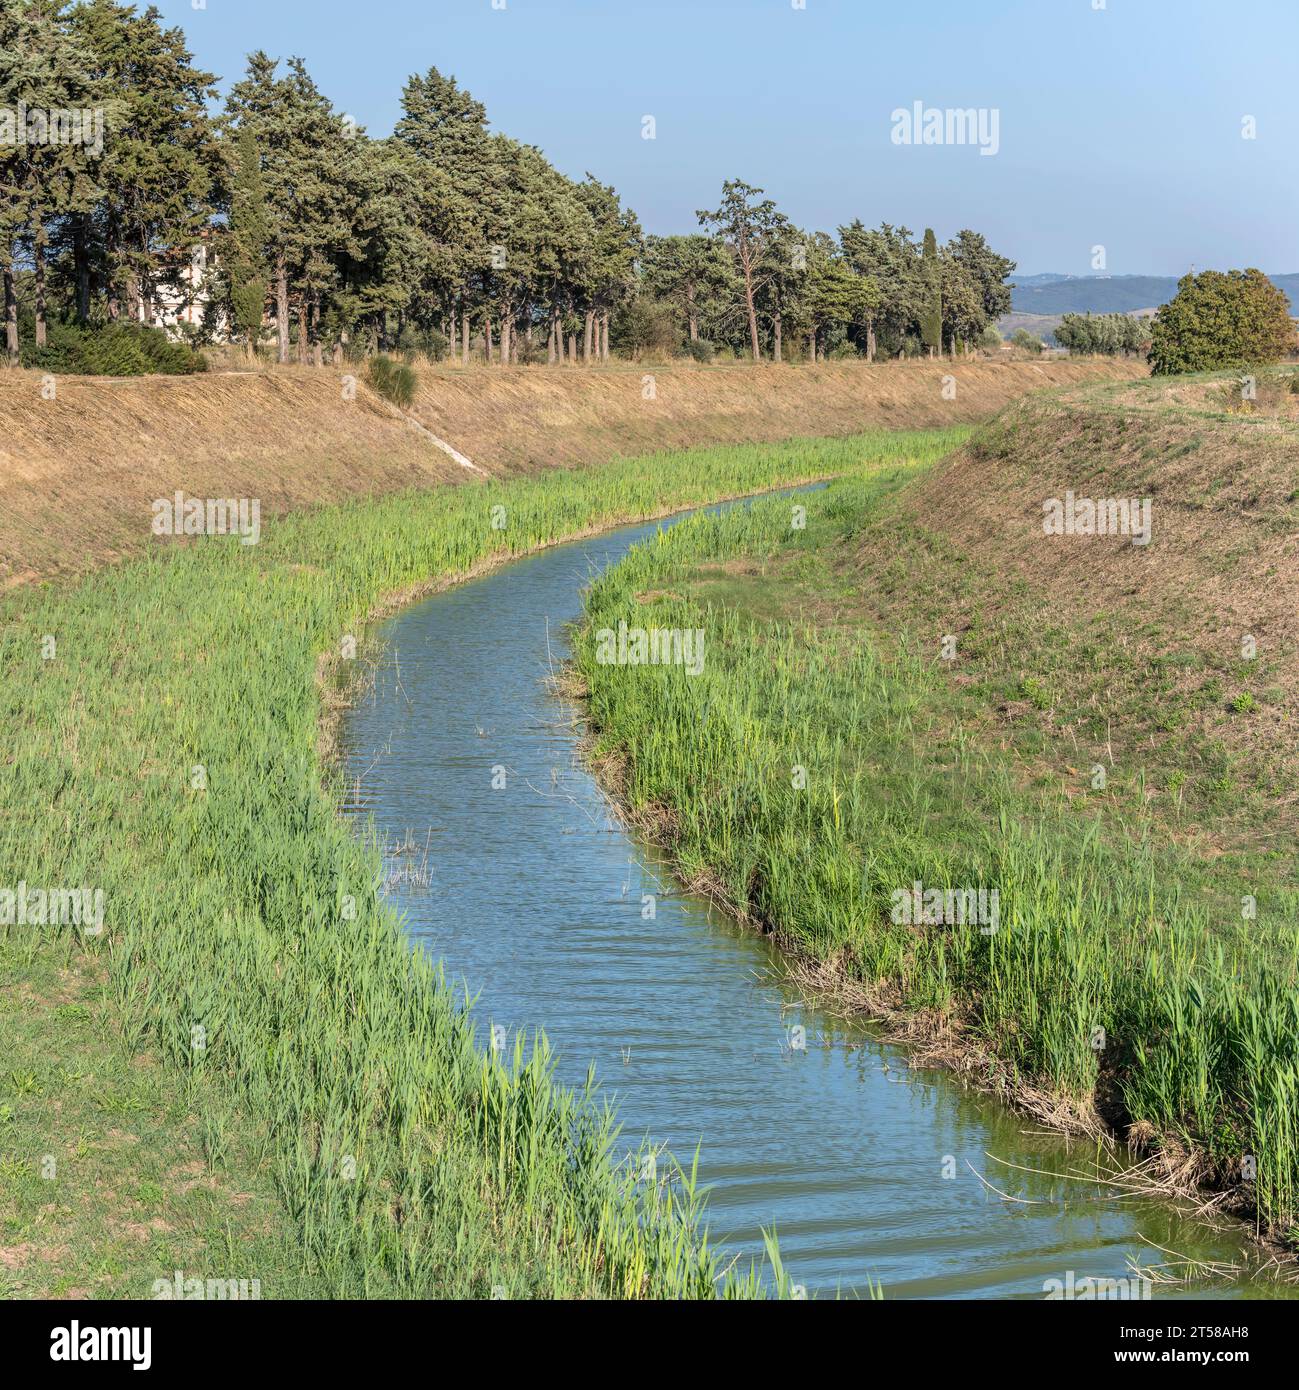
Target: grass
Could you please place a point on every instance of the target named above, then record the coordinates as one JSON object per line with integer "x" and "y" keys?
{"x": 824, "y": 761}
{"x": 263, "y": 1012}
{"x": 394, "y": 381}
{"x": 112, "y": 1167}
{"x": 79, "y": 469}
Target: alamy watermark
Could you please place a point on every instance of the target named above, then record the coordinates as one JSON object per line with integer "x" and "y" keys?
{"x": 38, "y": 125}
{"x": 1090, "y": 1287}
{"x": 223, "y": 1290}
{"x": 77, "y": 1343}
{"x": 1105, "y": 516}
{"x": 26, "y": 906}
{"x": 919, "y": 124}
{"x": 919, "y": 906}
{"x": 208, "y": 516}
{"x": 655, "y": 646}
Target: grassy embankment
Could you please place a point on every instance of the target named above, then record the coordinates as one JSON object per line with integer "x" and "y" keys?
{"x": 248, "y": 1074}
{"x": 1100, "y": 750}
{"x": 78, "y": 471}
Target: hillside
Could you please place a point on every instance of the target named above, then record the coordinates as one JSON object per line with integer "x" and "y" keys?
{"x": 1109, "y": 294}
{"x": 78, "y": 474}
{"x": 1126, "y": 654}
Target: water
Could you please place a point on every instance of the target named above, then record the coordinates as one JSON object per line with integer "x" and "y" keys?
{"x": 531, "y": 894}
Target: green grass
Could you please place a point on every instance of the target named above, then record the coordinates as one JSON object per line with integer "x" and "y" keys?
{"x": 167, "y": 753}
{"x": 1110, "y": 983}
{"x": 104, "y": 1173}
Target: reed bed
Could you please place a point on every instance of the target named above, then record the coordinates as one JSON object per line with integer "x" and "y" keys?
{"x": 164, "y": 748}
{"x": 1103, "y": 993}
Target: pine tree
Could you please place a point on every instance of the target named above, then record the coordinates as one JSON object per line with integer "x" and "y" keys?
{"x": 162, "y": 161}
{"x": 746, "y": 228}
{"x": 44, "y": 69}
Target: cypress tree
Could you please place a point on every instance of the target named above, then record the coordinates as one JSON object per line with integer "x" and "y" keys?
{"x": 248, "y": 237}
{"x": 931, "y": 319}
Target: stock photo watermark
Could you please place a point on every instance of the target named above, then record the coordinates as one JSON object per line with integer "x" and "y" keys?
{"x": 655, "y": 646}
{"x": 45, "y": 126}
{"x": 919, "y": 124}
{"x": 918, "y": 906}
{"x": 208, "y": 516}
{"x": 1106, "y": 516}
{"x": 29, "y": 906}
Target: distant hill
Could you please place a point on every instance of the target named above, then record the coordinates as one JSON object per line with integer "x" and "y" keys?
{"x": 1106, "y": 294}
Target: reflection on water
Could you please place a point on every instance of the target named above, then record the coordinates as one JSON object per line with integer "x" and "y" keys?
{"x": 533, "y": 895}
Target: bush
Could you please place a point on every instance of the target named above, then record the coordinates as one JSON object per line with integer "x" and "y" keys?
{"x": 1026, "y": 342}
{"x": 394, "y": 381}
{"x": 643, "y": 325}
{"x": 428, "y": 341}
{"x": 1237, "y": 319}
{"x": 991, "y": 338}
{"x": 112, "y": 349}
{"x": 701, "y": 350}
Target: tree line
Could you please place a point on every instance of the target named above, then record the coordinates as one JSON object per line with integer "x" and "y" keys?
{"x": 1104, "y": 335}
{"x": 444, "y": 236}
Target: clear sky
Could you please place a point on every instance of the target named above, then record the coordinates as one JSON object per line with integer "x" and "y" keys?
{"x": 1118, "y": 126}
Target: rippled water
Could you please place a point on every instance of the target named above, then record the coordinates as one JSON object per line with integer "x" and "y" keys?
{"x": 532, "y": 894}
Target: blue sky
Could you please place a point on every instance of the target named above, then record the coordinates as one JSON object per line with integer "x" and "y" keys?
{"x": 1119, "y": 127}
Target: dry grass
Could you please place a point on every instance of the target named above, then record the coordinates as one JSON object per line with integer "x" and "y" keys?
{"x": 78, "y": 473}
{"x": 1223, "y": 560}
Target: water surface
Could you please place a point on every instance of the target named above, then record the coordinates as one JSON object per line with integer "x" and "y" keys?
{"x": 532, "y": 894}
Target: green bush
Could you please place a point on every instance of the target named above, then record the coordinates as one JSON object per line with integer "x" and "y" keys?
{"x": 1026, "y": 342}
{"x": 1237, "y": 319}
{"x": 641, "y": 325}
{"x": 429, "y": 341}
{"x": 394, "y": 381}
{"x": 701, "y": 350}
{"x": 111, "y": 349}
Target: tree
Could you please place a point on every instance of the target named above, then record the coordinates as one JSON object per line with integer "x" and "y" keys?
{"x": 835, "y": 298}
{"x": 446, "y": 130}
{"x": 931, "y": 318}
{"x": 249, "y": 236}
{"x": 1103, "y": 334}
{"x": 46, "y": 173}
{"x": 162, "y": 161}
{"x": 746, "y": 228}
{"x": 312, "y": 178}
{"x": 689, "y": 273}
{"x": 987, "y": 270}
{"x": 892, "y": 260}
{"x": 963, "y": 314}
{"x": 616, "y": 244}
{"x": 1233, "y": 319}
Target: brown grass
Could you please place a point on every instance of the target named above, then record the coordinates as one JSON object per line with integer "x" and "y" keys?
{"x": 78, "y": 473}
{"x": 1223, "y": 560}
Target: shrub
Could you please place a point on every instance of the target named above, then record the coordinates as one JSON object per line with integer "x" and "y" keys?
{"x": 701, "y": 350}
{"x": 642, "y": 325}
{"x": 1236, "y": 319}
{"x": 394, "y": 381}
{"x": 1026, "y": 342}
{"x": 112, "y": 349}
{"x": 428, "y": 341}
{"x": 1107, "y": 335}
